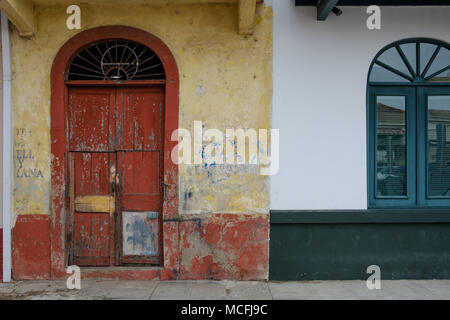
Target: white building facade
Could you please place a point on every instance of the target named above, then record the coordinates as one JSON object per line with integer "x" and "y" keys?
{"x": 324, "y": 224}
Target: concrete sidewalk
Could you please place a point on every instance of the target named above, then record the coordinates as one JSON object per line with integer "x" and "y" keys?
{"x": 182, "y": 290}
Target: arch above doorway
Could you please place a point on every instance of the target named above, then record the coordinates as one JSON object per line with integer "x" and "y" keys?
{"x": 59, "y": 139}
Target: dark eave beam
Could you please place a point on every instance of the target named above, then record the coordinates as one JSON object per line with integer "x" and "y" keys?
{"x": 324, "y": 8}
{"x": 343, "y": 3}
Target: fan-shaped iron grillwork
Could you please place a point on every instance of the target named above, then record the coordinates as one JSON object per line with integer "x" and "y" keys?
{"x": 116, "y": 60}
{"x": 409, "y": 61}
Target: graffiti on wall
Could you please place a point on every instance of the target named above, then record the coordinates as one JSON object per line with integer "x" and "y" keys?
{"x": 24, "y": 158}
{"x": 30, "y": 177}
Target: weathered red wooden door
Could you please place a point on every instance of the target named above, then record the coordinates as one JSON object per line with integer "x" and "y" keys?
{"x": 139, "y": 171}
{"x": 115, "y": 148}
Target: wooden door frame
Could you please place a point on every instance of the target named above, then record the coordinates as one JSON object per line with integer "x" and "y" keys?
{"x": 59, "y": 204}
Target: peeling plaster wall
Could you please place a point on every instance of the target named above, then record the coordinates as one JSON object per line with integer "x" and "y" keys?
{"x": 226, "y": 246}
{"x": 225, "y": 81}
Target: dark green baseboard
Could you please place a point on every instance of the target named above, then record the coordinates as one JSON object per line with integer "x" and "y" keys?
{"x": 340, "y": 245}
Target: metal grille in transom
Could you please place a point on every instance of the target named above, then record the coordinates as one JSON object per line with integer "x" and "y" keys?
{"x": 117, "y": 60}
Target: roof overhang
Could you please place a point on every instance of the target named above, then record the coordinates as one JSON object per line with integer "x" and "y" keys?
{"x": 324, "y": 7}
{"x": 22, "y": 12}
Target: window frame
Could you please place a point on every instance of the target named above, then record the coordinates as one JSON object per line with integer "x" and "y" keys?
{"x": 393, "y": 201}
{"x": 422, "y": 151}
{"x": 416, "y": 92}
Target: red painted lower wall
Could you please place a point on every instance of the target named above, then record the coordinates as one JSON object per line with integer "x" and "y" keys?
{"x": 210, "y": 246}
{"x": 1, "y": 255}
{"x": 31, "y": 248}
{"x": 224, "y": 246}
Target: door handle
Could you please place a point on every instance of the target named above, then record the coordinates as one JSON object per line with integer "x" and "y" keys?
{"x": 113, "y": 179}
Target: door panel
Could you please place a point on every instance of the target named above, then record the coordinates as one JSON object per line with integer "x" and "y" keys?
{"x": 93, "y": 207}
{"x": 92, "y": 173}
{"x": 141, "y": 130}
{"x": 92, "y": 239}
{"x": 140, "y": 234}
{"x": 140, "y": 180}
{"x": 91, "y": 119}
{"x": 141, "y": 124}
{"x": 140, "y": 205}
{"x": 139, "y": 171}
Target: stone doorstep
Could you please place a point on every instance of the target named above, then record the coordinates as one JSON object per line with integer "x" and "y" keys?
{"x": 121, "y": 273}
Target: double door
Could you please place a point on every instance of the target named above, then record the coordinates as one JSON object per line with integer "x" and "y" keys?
{"x": 115, "y": 164}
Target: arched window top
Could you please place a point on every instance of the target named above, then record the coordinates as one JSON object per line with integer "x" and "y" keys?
{"x": 412, "y": 61}
{"x": 117, "y": 60}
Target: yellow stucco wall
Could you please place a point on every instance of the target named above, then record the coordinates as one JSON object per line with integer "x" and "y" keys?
{"x": 225, "y": 81}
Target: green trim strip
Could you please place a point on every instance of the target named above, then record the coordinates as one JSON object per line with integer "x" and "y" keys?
{"x": 360, "y": 216}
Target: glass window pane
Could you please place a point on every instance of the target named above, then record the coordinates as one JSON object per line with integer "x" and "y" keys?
{"x": 409, "y": 49}
{"x": 442, "y": 77}
{"x": 426, "y": 52}
{"x": 441, "y": 61}
{"x": 393, "y": 59}
{"x": 391, "y": 146}
{"x": 380, "y": 74}
{"x": 438, "y": 146}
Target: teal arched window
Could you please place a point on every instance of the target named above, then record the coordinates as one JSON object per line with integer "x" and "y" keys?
{"x": 409, "y": 125}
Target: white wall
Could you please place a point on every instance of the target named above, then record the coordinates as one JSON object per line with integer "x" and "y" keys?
{"x": 319, "y": 103}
